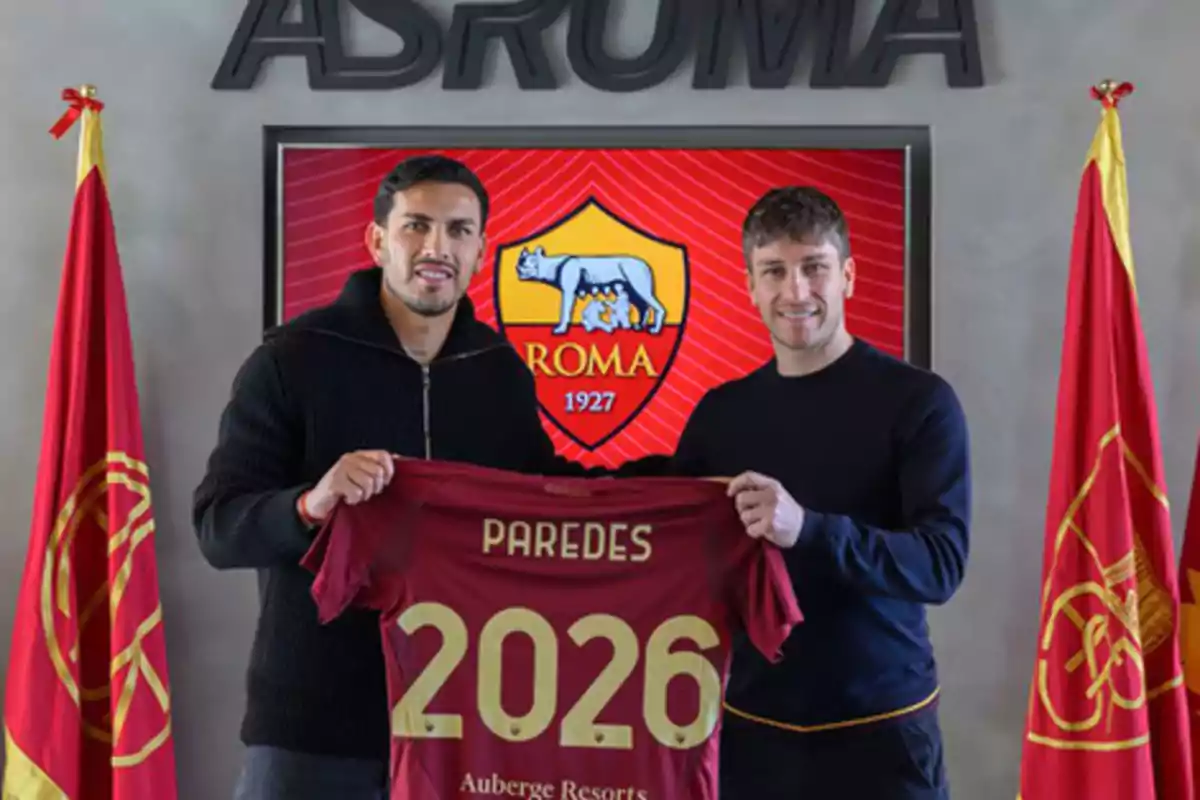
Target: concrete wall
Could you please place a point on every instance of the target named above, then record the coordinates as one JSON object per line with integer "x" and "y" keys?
{"x": 185, "y": 166}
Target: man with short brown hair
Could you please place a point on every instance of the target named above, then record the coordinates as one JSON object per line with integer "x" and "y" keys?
{"x": 855, "y": 463}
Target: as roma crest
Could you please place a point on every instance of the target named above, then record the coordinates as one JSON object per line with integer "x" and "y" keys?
{"x": 596, "y": 307}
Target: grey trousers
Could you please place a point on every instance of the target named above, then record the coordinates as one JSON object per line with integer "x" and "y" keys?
{"x": 269, "y": 773}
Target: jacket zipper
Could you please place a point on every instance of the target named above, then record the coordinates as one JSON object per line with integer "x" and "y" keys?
{"x": 425, "y": 378}
{"x": 425, "y": 412}
{"x": 425, "y": 383}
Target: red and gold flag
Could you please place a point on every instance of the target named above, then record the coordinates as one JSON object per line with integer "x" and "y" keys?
{"x": 1107, "y": 716}
{"x": 87, "y": 708}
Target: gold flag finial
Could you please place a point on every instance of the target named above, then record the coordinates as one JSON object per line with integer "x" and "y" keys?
{"x": 87, "y": 90}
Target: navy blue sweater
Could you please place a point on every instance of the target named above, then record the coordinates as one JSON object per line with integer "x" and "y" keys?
{"x": 876, "y": 452}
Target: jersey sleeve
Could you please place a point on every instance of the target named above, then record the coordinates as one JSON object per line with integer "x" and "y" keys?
{"x": 763, "y": 598}
{"x": 358, "y": 558}
{"x": 340, "y": 566}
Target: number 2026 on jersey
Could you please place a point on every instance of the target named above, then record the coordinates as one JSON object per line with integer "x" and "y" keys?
{"x": 553, "y": 639}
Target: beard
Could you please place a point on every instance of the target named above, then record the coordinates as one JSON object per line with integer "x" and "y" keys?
{"x": 425, "y": 306}
{"x": 428, "y": 306}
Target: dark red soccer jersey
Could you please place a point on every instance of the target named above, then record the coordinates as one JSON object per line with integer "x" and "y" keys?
{"x": 553, "y": 639}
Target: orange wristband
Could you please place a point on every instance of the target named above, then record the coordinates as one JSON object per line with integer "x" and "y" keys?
{"x": 302, "y": 509}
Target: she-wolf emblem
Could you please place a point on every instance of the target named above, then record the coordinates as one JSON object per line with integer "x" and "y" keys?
{"x": 577, "y": 276}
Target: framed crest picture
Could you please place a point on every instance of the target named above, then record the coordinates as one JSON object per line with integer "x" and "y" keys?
{"x": 614, "y": 262}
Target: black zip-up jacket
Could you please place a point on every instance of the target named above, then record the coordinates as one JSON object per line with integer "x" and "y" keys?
{"x": 331, "y": 381}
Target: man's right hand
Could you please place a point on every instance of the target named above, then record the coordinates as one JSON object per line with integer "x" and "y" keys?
{"x": 356, "y": 477}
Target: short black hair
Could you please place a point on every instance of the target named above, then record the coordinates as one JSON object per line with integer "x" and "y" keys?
{"x": 798, "y": 213}
{"x": 424, "y": 169}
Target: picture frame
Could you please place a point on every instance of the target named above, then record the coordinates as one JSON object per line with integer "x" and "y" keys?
{"x": 669, "y": 199}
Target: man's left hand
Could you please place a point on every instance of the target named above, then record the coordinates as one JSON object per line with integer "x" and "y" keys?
{"x": 766, "y": 508}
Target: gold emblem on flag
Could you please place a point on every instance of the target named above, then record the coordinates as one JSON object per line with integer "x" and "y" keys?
{"x": 1190, "y": 633}
{"x": 96, "y": 643}
{"x": 1110, "y": 623}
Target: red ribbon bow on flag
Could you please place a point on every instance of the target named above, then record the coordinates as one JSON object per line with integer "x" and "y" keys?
{"x": 1109, "y": 94}
{"x": 78, "y": 102}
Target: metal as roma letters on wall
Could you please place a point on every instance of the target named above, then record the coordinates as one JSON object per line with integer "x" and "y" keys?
{"x": 773, "y": 34}
{"x": 614, "y": 260}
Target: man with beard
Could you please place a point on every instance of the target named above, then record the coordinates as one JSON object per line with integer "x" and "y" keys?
{"x": 397, "y": 365}
{"x": 855, "y": 463}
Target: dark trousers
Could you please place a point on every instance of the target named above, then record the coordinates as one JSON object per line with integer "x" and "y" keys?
{"x": 896, "y": 760}
{"x": 269, "y": 773}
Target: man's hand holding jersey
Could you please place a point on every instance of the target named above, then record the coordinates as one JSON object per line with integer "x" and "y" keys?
{"x": 767, "y": 509}
{"x": 354, "y": 478}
